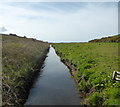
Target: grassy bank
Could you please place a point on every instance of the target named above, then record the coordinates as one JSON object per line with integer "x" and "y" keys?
{"x": 22, "y": 59}
{"x": 92, "y": 65}
{"x": 115, "y": 38}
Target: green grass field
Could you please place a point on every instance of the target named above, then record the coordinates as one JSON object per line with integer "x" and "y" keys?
{"x": 94, "y": 64}
{"x": 20, "y": 59}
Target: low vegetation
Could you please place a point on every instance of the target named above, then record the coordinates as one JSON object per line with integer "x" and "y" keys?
{"x": 21, "y": 61}
{"x": 115, "y": 38}
{"x": 92, "y": 65}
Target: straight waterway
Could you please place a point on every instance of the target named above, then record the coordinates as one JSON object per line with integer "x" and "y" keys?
{"x": 54, "y": 85}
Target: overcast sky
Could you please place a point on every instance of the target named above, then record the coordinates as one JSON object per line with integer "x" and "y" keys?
{"x": 60, "y": 21}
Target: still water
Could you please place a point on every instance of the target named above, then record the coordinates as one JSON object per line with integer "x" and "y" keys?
{"x": 54, "y": 85}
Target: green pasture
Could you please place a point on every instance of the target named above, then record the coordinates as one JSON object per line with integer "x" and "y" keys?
{"x": 94, "y": 63}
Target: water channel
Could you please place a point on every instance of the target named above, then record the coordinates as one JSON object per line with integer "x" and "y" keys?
{"x": 54, "y": 85}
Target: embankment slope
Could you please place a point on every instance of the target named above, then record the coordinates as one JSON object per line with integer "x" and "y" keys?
{"x": 21, "y": 61}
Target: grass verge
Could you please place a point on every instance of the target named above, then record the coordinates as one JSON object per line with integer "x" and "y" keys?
{"x": 21, "y": 61}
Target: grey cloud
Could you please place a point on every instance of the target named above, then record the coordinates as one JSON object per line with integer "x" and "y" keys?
{"x": 3, "y": 29}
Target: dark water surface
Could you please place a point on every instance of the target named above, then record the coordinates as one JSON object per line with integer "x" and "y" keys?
{"x": 54, "y": 86}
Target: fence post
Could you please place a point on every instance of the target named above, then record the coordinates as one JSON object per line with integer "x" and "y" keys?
{"x": 116, "y": 74}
